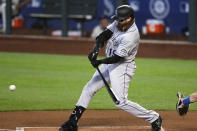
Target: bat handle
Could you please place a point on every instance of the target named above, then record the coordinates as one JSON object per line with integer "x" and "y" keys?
{"x": 117, "y": 102}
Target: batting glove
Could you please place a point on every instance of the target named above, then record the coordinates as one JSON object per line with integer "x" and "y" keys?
{"x": 95, "y": 63}
{"x": 92, "y": 56}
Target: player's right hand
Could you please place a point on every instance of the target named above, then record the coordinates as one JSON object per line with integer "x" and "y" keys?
{"x": 95, "y": 63}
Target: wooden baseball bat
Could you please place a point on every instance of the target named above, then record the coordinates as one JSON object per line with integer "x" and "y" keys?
{"x": 116, "y": 101}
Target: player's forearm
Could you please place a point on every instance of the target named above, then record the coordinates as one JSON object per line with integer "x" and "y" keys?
{"x": 193, "y": 97}
{"x": 111, "y": 60}
{"x": 102, "y": 38}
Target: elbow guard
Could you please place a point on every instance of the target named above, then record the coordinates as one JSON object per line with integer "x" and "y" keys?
{"x": 102, "y": 38}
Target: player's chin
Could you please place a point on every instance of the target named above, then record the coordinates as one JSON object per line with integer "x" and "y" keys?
{"x": 121, "y": 25}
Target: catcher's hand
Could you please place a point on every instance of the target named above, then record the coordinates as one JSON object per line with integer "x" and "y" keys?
{"x": 180, "y": 107}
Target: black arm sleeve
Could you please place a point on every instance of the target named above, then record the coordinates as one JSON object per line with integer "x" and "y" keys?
{"x": 101, "y": 39}
{"x": 110, "y": 60}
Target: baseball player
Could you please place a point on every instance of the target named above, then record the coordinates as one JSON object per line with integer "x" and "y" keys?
{"x": 118, "y": 68}
{"x": 182, "y": 105}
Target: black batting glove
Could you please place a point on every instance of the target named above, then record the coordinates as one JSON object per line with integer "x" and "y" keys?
{"x": 95, "y": 63}
{"x": 92, "y": 56}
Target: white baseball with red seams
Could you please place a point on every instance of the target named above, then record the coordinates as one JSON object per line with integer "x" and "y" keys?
{"x": 123, "y": 44}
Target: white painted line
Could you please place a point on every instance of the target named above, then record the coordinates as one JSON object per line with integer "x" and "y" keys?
{"x": 20, "y": 128}
{"x": 96, "y": 127}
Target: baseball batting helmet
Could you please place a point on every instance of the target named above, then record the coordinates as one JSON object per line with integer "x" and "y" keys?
{"x": 123, "y": 12}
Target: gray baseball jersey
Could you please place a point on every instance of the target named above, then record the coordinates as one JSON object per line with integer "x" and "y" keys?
{"x": 124, "y": 44}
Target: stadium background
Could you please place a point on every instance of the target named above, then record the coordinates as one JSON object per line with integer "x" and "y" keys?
{"x": 175, "y": 12}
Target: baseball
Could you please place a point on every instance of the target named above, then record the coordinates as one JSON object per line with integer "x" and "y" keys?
{"x": 12, "y": 87}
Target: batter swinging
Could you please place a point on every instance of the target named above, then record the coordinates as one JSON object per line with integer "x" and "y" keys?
{"x": 118, "y": 68}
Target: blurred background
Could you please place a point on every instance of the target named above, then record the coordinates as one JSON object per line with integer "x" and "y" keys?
{"x": 162, "y": 19}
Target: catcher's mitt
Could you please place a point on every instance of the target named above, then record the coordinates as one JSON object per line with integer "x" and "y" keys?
{"x": 180, "y": 107}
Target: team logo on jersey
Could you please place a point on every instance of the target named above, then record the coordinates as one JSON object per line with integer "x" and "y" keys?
{"x": 115, "y": 42}
{"x": 159, "y": 8}
{"x": 123, "y": 52}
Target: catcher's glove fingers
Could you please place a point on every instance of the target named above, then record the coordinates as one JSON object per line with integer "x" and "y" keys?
{"x": 180, "y": 107}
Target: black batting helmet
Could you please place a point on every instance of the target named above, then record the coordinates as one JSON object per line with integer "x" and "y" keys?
{"x": 123, "y": 12}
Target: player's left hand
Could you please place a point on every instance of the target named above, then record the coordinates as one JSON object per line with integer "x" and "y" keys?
{"x": 93, "y": 55}
{"x": 95, "y": 63}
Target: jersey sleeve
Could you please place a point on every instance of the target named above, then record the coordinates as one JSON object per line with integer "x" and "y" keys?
{"x": 112, "y": 26}
{"x": 126, "y": 46}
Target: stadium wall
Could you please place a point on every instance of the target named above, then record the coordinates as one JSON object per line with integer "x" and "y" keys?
{"x": 82, "y": 46}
